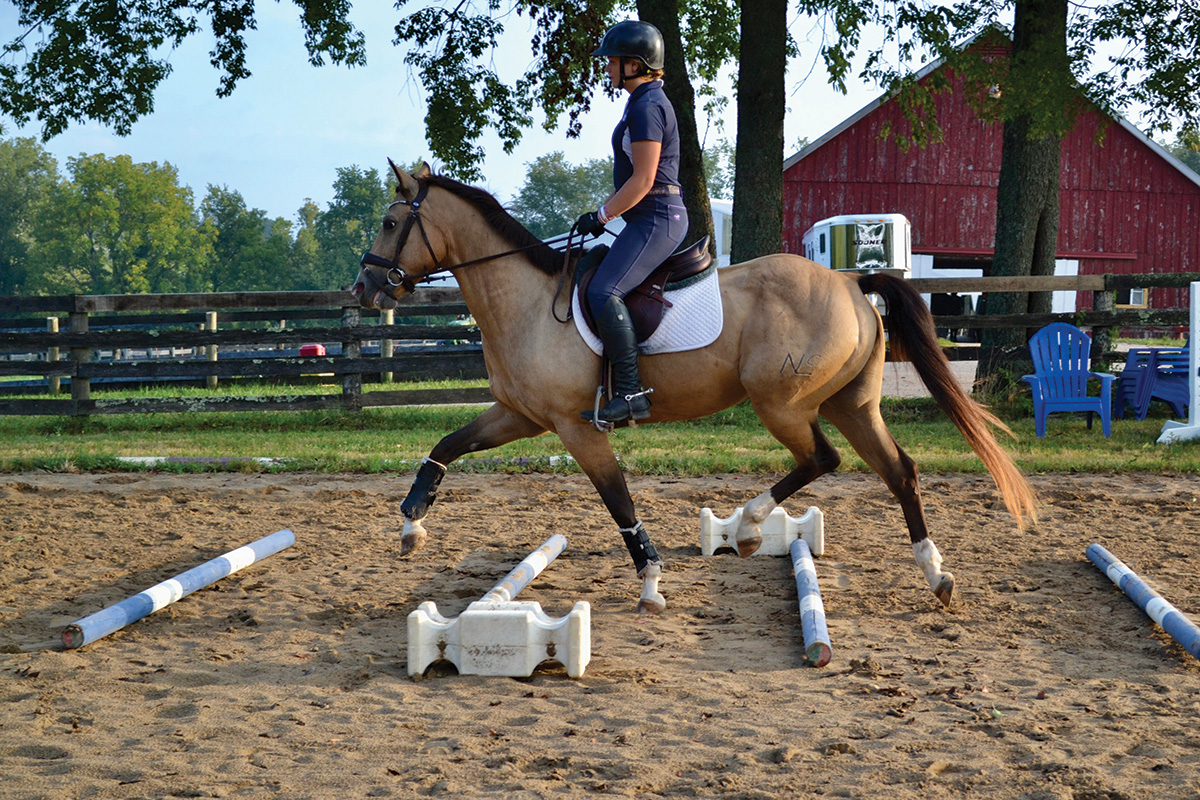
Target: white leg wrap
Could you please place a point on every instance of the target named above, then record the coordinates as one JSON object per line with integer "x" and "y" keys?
{"x": 929, "y": 560}
{"x": 651, "y": 600}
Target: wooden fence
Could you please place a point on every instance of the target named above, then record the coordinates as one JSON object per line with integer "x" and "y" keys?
{"x": 209, "y": 338}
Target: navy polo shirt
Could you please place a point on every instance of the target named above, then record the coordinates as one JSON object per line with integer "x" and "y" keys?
{"x": 648, "y": 116}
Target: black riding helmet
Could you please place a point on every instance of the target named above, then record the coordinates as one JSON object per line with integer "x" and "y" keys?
{"x": 634, "y": 39}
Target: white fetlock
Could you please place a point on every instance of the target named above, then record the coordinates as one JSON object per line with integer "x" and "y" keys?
{"x": 651, "y": 601}
{"x": 930, "y": 562}
{"x": 749, "y": 532}
{"x": 413, "y": 536}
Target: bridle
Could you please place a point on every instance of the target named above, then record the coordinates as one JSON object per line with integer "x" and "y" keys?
{"x": 396, "y": 276}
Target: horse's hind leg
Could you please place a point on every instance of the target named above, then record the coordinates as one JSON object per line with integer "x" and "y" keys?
{"x": 814, "y": 455}
{"x": 864, "y": 428}
{"x": 494, "y": 427}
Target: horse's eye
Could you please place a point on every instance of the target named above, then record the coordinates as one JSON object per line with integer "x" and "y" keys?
{"x": 389, "y": 224}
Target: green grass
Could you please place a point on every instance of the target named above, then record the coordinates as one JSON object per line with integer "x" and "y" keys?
{"x": 391, "y": 439}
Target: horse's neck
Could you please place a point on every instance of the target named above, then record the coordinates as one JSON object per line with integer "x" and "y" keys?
{"x": 507, "y": 295}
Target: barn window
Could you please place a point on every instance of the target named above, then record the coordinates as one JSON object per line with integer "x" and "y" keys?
{"x": 1131, "y": 298}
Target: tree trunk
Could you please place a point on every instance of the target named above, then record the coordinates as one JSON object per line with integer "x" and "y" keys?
{"x": 758, "y": 184}
{"x": 1027, "y": 196}
{"x": 664, "y": 15}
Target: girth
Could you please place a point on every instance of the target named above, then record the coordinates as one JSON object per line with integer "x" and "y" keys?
{"x": 647, "y": 303}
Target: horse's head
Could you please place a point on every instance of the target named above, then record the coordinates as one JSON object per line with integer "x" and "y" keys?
{"x": 404, "y": 251}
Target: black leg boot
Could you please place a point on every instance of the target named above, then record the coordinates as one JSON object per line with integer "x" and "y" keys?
{"x": 629, "y": 400}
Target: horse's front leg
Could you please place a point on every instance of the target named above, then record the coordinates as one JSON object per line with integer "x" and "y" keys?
{"x": 594, "y": 455}
{"x": 494, "y": 427}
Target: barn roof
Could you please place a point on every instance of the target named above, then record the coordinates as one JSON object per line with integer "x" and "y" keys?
{"x": 833, "y": 133}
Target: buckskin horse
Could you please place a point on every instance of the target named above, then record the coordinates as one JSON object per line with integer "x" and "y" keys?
{"x": 799, "y": 340}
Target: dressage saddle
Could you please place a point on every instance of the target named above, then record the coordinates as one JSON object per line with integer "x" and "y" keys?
{"x": 647, "y": 303}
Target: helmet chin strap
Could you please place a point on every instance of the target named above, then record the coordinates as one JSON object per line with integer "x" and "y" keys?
{"x": 642, "y": 70}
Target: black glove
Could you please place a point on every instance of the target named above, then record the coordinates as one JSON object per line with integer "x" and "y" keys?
{"x": 590, "y": 224}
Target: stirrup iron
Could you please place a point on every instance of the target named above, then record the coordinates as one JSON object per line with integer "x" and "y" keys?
{"x": 601, "y": 425}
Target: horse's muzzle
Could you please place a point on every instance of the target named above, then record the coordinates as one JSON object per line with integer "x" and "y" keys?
{"x": 370, "y": 293}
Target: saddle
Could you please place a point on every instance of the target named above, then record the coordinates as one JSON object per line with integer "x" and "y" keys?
{"x": 647, "y": 303}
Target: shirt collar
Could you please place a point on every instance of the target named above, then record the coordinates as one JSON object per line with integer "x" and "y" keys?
{"x": 645, "y": 87}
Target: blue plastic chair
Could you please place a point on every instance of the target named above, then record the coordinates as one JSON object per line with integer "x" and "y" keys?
{"x": 1061, "y": 358}
{"x": 1153, "y": 373}
{"x": 1131, "y": 382}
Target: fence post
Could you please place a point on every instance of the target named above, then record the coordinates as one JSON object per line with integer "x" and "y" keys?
{"x": 352, "y": 348}
{"x": 210, "y": 324}
{"x": 1102, "y": 336}
{"x": 387, "y": 347}
{"x": 81, "y": 388}
{"x": 52, "y": 356}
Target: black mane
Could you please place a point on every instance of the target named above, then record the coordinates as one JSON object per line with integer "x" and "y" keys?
{"x": 543, "y": 257}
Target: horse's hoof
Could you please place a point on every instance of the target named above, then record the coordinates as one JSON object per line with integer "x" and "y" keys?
{"x": 414, "y": 536}
{"x": 945, "y": 589}
{"x": 748, "y": 547}
{"x": 652, "y": 605}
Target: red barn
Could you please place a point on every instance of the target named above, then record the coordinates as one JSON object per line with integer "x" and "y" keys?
{"x": 1126, "y": 204}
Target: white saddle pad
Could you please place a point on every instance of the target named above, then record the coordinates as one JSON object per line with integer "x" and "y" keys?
{"x": 693, "y": 320}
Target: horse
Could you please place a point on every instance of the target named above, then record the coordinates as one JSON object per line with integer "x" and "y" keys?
{"x": 799, "y": 340}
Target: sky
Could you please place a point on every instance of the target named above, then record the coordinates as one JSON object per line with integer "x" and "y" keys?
{"x": 283, "y": 133}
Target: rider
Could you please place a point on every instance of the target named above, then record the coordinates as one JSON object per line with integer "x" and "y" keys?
{"x": 647, "y": 196}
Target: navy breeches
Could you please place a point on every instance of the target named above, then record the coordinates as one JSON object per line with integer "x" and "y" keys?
{"x": 653, "y": 229}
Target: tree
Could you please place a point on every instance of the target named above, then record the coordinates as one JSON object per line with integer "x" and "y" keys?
{"x": 117, "y": 228}
{"x": 556, "y": 192}
{"x": 28, "y": 175}
{"x": 304, "y": 260}
{"x": 758, "y": 188}
{"x": 249, "y": 252}
{"x": 720, "y": 161}
{"x": 95, "y": 60}
{"x": 1189, "y": 155}
{"x": 348, "y": 226}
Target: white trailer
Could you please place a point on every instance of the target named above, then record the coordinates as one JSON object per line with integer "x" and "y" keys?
{"x": 862, "y": 243}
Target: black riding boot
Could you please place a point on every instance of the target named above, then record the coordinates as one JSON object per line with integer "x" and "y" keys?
{"x": 629, "y": 400}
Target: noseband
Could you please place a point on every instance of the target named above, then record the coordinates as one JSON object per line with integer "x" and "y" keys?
{"x": 396, "y": 276}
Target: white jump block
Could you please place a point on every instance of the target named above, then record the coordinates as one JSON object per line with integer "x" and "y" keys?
{"x": 498, "y": 635}
{"x": 779, "y": 530}
{"x": 508, "y": 638}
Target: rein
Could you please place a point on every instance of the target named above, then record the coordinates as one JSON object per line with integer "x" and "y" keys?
{"x": 396, "y": 276}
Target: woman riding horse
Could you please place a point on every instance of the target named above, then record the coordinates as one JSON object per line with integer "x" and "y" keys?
{"x": 801, "y": 342}
{"x": 646, "y": 176}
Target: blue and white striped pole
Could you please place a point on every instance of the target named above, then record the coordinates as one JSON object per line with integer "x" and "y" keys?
{"x": 117, "y": 616}
{"x": 1170, "y": 618}
{"x": 812, "y": 610}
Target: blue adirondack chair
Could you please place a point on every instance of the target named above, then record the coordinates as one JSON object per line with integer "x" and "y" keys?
{"x": 1061, "y": 354}
{"x": 1153, "y": 373}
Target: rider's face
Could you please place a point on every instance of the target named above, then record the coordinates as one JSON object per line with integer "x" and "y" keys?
{"x": 614, "y": 71}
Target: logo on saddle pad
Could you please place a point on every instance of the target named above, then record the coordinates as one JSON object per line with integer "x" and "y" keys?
{"x": 677, "y": 308}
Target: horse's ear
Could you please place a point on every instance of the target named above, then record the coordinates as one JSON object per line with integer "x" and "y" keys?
{"x": 423, "y": 171}
{"x": 407, "y": 183}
